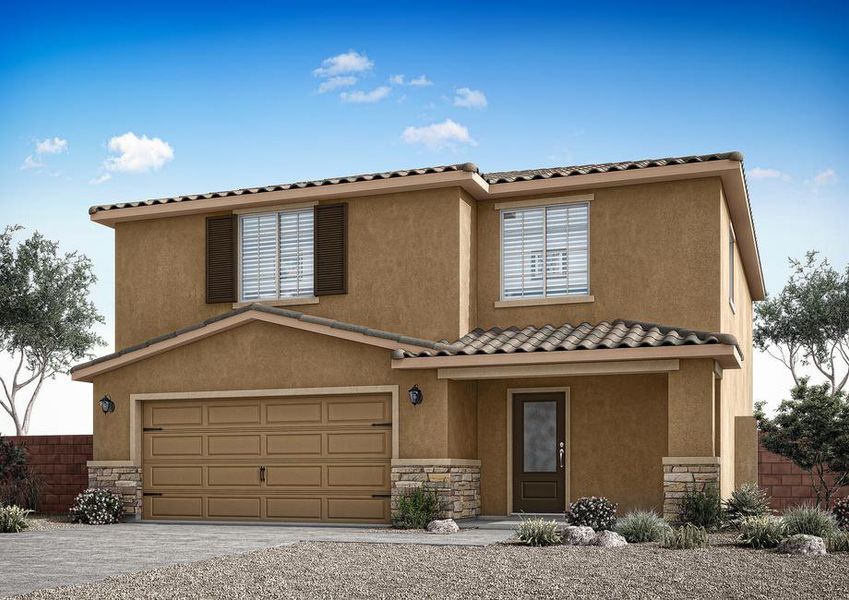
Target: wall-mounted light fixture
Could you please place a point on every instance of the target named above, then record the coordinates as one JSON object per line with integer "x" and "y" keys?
{"x": 106, "y": 404}
{"x": 416, "y": 395}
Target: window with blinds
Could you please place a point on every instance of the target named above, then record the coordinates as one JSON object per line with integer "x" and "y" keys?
{"x": 545, "y": 251}
{"x": 276, "y": 255}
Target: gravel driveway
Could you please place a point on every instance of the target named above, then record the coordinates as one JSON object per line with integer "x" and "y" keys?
{"x": 355, "y": 570}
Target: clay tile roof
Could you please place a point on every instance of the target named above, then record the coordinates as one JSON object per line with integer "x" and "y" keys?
{"x": 585, "y": 336}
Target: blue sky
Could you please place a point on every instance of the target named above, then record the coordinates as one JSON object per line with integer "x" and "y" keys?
{"x": 226, "y": 95}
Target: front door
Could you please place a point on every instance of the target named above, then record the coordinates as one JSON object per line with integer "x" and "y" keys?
{"x": 539, "y": 452}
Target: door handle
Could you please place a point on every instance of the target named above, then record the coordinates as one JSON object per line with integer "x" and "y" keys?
{"x": 262, "y": 473}
{"x": 562, "y": 455}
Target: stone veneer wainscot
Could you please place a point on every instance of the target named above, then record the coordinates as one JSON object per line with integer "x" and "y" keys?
{"x": 457, "y": 482}
{"x": 124, "y": 480}
{"x": 683, "y": 474}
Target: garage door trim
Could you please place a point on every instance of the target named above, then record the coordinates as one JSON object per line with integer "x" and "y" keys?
{"x": 137, "y": 399}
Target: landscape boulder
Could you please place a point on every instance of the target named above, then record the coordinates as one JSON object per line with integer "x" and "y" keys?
{"x": 443, "y": 526}
{"x": 577, "y": 535}
{"x": 609, "y": 539}
{"x": 802, "y": 544}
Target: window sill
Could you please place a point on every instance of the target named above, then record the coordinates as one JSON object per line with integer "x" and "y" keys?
{"x": 545, "y": 301}
{"x": 280, "y": 302}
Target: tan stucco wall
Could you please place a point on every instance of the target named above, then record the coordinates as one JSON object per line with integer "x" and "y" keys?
{"x": 654, "y": 257}
{"x": 269, "y": 356}
{"x": 403, "y": 270}
{"x": 746, "y": 438}
{"x": 691, "y": 409}
{"x": 617, "y": 438}
{"x": 462, "y": 419}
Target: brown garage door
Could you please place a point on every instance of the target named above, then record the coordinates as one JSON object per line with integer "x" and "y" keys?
{"x": 315, "y": 458}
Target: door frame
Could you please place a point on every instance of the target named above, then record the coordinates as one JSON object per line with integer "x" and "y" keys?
{"x": 566, "y": 410}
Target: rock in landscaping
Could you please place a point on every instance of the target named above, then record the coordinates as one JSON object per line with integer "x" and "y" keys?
{"x": 577, "y": 535}
{"x": 802, "y": 544}
{"x": 609, "y": 539}
{"x": 443, "y": 526}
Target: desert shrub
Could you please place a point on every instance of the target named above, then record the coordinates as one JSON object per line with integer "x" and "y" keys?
{"x": 761, "y": 531}
{"x": 97, "y": 507}
{"x": 19, "y": 486}
{"x": 596, "y": 512}
{"x": 837, "y": 542}
{"x": 13, "y": 519}
{"x": 702, "y": 508}
{"x": 809, "y": 520}
{"x": 416, "y": 509}
{"x": 640, "y": 526}
{"x": 686, "y": 537}
{"x": 840, "y": 510}
{"x": 535, "y": 531}
{"x": 748, "y": 500}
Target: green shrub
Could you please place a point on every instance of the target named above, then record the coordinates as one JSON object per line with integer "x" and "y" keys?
{"x": 97, "y": 507}
{"x": 596, "y": 512}
{"x": 640, "y": 526}
{"x": 764, "y": 531}
{"x": 686, "y": 537}
{"x": 809, "y": 520}
{"x": 837, "y": 542}
{"x": 13, "y": 519}
{"x": 840, "y": 510}
{"x": 19, "y": 486}
{"x": 535, "y": 531}
{"x": 702, "y": 508}
{"x": 748, "y": 500}
{"x": 416, "y": 509}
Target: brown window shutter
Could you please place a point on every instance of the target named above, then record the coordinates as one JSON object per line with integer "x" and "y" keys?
{"x": 220, "y": 259}
{"x": 331, "y": 249}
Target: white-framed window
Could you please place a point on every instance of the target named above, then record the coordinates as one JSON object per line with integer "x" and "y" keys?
{"x": 545, "y": 251}
{"x": 276, "y": 254}
{"x": 732, "y": 247}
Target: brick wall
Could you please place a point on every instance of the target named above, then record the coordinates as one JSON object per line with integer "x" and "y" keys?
{"x": 787, "y": 484}
{"x": 60, "y": 461}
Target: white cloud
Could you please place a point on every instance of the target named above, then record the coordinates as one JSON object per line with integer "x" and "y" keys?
{"x": 137, "y": 154}
{"x": 100, "y": 179}
{"x": 31, "y": 163}
{"x": 349, "y": 62}
{"x": 336, "y": 82}
{"x": 361, "y": 97}
{"x": 825, "y": 177}
{"x": 421, "y": 81}
{"x": 54, "y": 145}
{"x": 438, "y": 135}
{"x": 397, "y": 80}
{"x": 765, "y": 173}
{"x": 469, "y": 98}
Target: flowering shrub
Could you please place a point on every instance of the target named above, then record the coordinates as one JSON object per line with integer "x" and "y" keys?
{"x": 596, "y": 512}
{"x": 13, "y": 519}
{"x": 97, "y": 507}
{"x": 841, "y": 513}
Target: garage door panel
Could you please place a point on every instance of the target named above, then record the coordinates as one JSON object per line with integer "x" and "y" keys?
{"x": 294, "y": 444}
{"x": 163, "y": 446}
{"x": 159, "y": 416}
{"x": 376, "y": 476}
{"x": 293, "y": 476}
{"x": 173, "y": 507}
{"x": 220, "y": 445}
{"x": 233, "y": 476}
{"x": 357, "y": 411}
{"x": 294, "y": 413}
{"x": 294, "y": 509}
{"x": 357, "y": 509}
{"x": 234, "y": 414}
{"x": 371, "y": 443}
{"x": 237, "y": 507}
{"x": 169, "y": 476}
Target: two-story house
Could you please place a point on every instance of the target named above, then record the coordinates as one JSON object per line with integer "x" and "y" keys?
{"x": 304, "y": 352}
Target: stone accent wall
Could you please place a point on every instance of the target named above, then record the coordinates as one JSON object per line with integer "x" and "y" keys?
{"x": 681, "y": 475}
{"x": 125, "y": 481}
{"x": 458, "y": 486}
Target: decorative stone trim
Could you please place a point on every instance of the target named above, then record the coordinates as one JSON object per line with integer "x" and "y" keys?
{"x": 684, "y": 474}
{"x": 126, "y": 481}
{"x": 457, "y": 485}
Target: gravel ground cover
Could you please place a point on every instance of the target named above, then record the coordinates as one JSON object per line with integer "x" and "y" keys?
{"x": 356, "y": 570}
{"x": 49, "y": 522}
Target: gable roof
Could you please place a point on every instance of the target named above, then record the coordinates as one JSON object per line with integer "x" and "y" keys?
{"x": 513, "y": 340}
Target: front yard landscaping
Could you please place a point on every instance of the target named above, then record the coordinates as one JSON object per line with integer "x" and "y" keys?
{"x": 357, "y": 570}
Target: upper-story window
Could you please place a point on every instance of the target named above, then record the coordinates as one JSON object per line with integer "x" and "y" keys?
{"x": 276, "y": 254}
{"x": 545, "y": 251}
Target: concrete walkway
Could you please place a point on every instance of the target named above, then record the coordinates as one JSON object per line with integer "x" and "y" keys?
{"x": 57, "y": 557}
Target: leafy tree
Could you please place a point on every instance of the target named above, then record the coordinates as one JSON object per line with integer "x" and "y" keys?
{"x": 808, "y": 322}
{"x": 812, "y": 430}
{"x": 46, "y": 318}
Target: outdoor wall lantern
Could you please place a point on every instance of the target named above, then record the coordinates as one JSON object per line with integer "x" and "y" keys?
{"x": 106, "y": 404}
{"x": 416, "y": 395}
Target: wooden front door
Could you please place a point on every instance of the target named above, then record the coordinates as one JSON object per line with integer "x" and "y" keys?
{"x": 539, "y": 452}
